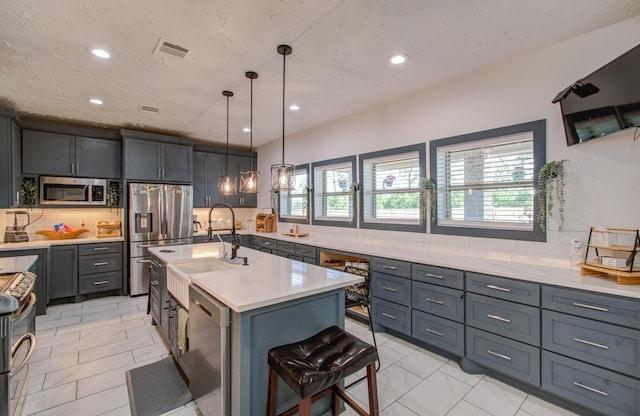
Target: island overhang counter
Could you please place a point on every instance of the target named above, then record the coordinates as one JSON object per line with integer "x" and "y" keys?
{"x": 273, "y": 301}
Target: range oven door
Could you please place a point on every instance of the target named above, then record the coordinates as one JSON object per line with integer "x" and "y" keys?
{"x": 23, "y": 331}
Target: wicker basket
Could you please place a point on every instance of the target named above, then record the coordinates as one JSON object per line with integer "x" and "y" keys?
{"x": 62, "y": 236}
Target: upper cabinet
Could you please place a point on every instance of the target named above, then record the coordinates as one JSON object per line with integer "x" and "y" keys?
{"x": 9, "y": 159}
{"x": 56, "y": 154}
{"x": 157, "y": 160}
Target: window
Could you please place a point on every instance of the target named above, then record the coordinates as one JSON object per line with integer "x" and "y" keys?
{"x": 294, "y": 204}
{"x": 333, "y": 194}
{"x": 391, "y": 191}
{"x": 486, "y": 182}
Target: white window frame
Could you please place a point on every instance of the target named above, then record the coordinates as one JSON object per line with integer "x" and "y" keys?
{"x": 368, "y": 218}
{"x": 320, "y": 194}
{"x": 531, "y": 231}
{"x": 285, "y": 198}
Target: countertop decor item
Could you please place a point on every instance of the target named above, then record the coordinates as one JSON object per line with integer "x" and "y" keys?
{"x": 54, "y": 235}
{"x": 227, "y": 185}
{"x": 615, "y": 256}
{"x": 550, "y": 192}
{"x": 250, "y": 179}
{"x": 283, "y": 175}
{"x": 106, "y": 229}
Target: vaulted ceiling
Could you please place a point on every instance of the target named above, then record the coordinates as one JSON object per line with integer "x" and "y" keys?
{"x": 338, "y": 66}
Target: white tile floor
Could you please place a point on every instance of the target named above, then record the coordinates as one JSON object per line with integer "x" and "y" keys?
{"x": 83, "y": 351}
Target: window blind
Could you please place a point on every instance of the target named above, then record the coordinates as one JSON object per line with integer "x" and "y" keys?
{"x": 333, "y": 197}
{"x": 294, "y": 202}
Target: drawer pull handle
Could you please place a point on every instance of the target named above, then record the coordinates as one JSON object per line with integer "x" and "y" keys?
{"x": 384, "y": 266}
{"x": 584, "y": 386}
{"x": 103, "y": 282}
{"x": 501, "y": 289}
{"x": 144, "y": 261}
{"x": 102, "y": 263}
{"x": 595, "y": 308}
{"x": 504, "y": 357}
{"x": 100, "y": 248}
{"x": 593, "y": 344}
{"x": 499, "y": 318}
{"x": 439, "y": 302}
{"x": 390, "y": 289}
{"x": 433, "y": 331}
{"x": 388, "y": 316}
{"x": 435, "y": 276}
{"x": 154, "y": 282}
{"x": 267, "y": 243}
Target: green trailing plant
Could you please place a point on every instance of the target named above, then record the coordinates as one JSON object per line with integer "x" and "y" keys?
{"x": 430, "y": 196}
{"x": 28, "y": 192}
{"x": 355, "y": 190}
{"x": 113, "y": 195}
{"x": 550, "y": 192}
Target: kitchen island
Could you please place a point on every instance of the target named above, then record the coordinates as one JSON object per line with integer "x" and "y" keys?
{"x": 272, "y": 301}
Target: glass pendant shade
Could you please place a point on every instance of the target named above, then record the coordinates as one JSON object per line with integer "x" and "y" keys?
{"x": 282, "y": 177}
{"x": 227, "y": 185}
{"x": 250, "y": 181}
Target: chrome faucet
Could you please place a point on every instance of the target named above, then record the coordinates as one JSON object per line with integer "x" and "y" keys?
{"x": 235, "y": 244}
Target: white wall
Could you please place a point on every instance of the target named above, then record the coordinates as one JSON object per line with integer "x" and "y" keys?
{"x": 601, "y": 176}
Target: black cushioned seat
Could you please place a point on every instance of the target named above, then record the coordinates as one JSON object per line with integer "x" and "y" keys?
{"x": 316, "y": 365}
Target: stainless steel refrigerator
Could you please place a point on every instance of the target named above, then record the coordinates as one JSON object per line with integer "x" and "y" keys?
{"x": 158, "y": 215}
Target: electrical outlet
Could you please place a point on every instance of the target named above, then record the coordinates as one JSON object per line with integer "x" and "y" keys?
{"x": 576, "y": 247}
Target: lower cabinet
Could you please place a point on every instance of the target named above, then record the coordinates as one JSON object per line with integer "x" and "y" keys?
{"x": 62, "y": 271}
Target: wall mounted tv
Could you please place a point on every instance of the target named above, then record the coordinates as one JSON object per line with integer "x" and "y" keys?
{"x": 606, "y": 101}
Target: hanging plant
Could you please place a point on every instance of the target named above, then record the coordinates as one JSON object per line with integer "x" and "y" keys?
{"x": 274, "y": 200}
{"x": 28, "y": 192}
{"x": 355, "y": 190}
{"x": 113, "y": 195}
{"x": 430, "y": 195}
{"x": 550, "y": 192}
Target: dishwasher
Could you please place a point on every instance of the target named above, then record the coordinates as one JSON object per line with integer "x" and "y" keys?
{"x": 209, "y": 353}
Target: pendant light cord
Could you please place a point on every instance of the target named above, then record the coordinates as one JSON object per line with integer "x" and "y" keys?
{"x": 251, "y": 127}
{"x": 226, "y": 156}
{"x": 284, "y": 70}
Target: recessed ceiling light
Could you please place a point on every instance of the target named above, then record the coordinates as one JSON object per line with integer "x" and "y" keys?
{"x": 100, "y": 53}
{"x": 246, "y": 129}
{"x": 294, "y": 107}
{"x": 96, "y": 101}
{"x": 398, "y": 58}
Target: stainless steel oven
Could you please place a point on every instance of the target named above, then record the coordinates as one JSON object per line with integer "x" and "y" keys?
{"x": 17, "y": 339}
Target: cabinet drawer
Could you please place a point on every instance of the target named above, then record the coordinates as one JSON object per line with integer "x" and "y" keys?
{"x": 99, "y": 264}
{"x": 395, "y": 289}
{"x": 605, "y": 308}
{"x": 512, "y": 358}
{"x": 438, "y": 275}
{"x": 601, "y": 390}
{"x": 392, "y": 267}
{"x": 285, "y": 246}
{"x": 106, "y": 248}
{"x": 305, "y": 251}
{"x": 391, "y": 315}
{"x": 99, "y": 282}
{"x": 438, "y": 332}
{"x": 437, "y": 300}
{"x": 598, "y": 343}
{"x": 503, "y": 288}
{"x": 519, "y": 322}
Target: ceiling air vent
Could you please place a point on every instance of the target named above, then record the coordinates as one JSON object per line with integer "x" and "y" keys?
{"x": 148, "y": 108}
{"x": 170, "y": 48}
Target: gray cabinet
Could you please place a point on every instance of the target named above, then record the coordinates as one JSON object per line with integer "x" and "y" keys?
{"x": 239, "y": 164}
{"x": 99, "y": 267}
{"x": 150, "y": 160}
{"x": 391, "y": 294}
{"x": 265, "y": 244}
{"x": 207, "y": 168}
{"x": 56, "y": 154}
{"x": 62, "y": 271}
{"x": 159, "y": 295}
{"x": 10, "y": 166}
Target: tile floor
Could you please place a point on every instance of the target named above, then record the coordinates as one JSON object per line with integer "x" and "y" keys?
{"x": 83, "y": 351}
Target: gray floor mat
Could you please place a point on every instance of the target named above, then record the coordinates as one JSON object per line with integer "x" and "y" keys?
{"x": 156, "y": 388}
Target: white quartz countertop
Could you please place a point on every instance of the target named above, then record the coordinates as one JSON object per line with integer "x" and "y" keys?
{"x": 529, "y": 272}
{"x": 16, "y": 264}
{"x": 48, "y": 243}
{"x": 266, "y": 280}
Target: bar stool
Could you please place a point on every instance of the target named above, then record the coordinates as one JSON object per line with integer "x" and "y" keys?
{"x": 314, "y": 368}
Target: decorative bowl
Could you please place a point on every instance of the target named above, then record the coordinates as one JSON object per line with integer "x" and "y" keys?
{"x": 52, "y": 235}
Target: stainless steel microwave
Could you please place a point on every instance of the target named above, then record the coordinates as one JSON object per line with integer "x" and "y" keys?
{"x": 72, "y": 191}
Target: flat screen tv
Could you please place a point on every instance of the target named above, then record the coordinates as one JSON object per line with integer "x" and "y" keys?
{"x": 604, "y": 102}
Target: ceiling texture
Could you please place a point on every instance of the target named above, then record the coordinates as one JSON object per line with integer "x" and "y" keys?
{"x": 338, "y": 66}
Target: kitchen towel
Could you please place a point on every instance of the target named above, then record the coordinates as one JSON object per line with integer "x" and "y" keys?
{"x": 183, "y": 321}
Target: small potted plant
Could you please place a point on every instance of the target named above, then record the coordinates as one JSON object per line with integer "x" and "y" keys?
{"x": 28, "y": 192}
{"x": 113, "y": 195}
{"x": 430, "y": 195}
{"x": 550, "y": 192}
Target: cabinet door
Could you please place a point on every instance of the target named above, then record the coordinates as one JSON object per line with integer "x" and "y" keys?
{"x": 9, "y": 162}
{"x": 177, "y": 162}
{"x": 97, "y": 158}
{"x": 214, "y": 169}
{"x": 63, "y": 271}
{"x": 46, "y": 153}
{"x": 142, "y": 159}
{"x": 199, "y": 179}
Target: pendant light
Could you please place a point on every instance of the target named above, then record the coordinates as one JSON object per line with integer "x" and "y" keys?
{"x": 282, "y": 176}
{"x": 227, "y": 185}
{"x": 250, "y": 179}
